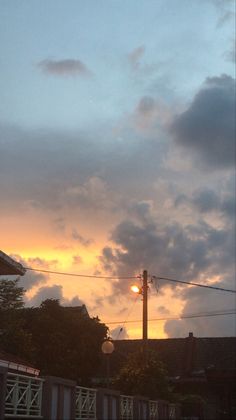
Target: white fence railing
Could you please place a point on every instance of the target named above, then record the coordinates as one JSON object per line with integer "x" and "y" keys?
{"x": 85, "y": 403}
{"x": 23, "y": 396}
{"x": 172, "y": 412}
{"x": 126, "y": 407}
{"x": 153, "y": 410}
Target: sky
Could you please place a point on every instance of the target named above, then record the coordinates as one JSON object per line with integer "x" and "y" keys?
{"x": 117, "y": 154}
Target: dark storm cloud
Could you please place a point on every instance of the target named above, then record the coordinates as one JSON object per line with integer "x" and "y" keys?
{"x": 197, "y": 252}
{"x": 207, "y": 200}
{"x": 68, "y": 67}
{"x": 207, "y": 127}
{"x": 172, "y": 250}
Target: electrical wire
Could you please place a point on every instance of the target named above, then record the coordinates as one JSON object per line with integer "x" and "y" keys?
{"x": 81, "y": 275}
{"x": 128, "y": 315}
{"x": 129, "y": 277}
{"x": 221, "y": 289}
{"x": 202, "y": 315}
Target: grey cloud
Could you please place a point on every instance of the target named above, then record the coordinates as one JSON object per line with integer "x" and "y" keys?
{"x": 119, "y": 333}
{"x": 141, "y": 210}
{"x": 163, "y": 310}
{"x": 52, "y": 169}
{"x": 207, "y": 127}
{"x": 174, "y": 251}
{"x": 75, "y": 301}
{"x": 135, "y": 56}
{"x": 230, "y": 54}
{"x": 32, "y": 278}
{"x": 207, "y": 200}
{"x": 79, "y": 238}
{"x": 67, "y": 67}
{"x": 53, "y": 292}
{"x": 146, "y": 105}
{"x": 225, "y": 9}
{"x": 201, "y": 301}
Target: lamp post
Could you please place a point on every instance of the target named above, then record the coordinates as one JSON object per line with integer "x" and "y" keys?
{"x": 107, "y": 349}
{"x": 144, "y": 292}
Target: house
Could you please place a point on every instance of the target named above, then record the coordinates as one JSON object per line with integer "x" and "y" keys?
{"x": 195, "y": 365}
{"x": 8, "y": 266}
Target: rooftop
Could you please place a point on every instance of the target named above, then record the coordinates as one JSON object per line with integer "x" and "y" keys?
{"x": 8, "y": 266}
{"x": 183, "y": 357}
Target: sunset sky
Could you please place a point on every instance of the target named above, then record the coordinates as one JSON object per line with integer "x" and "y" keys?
{"x": 117, "y": 154}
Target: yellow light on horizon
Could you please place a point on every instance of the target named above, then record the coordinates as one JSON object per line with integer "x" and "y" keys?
{"x": 135, "y": 289}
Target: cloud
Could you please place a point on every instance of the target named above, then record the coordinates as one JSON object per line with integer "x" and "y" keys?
{"x": 230, "y": 54}
{"x": 67, "y": 67}
{"x": 79, "y": 238}
{"x": 225, "y": 9}
{"x": 192, "y": 252}
{"x": 163, "y": 310}
{"x": 33, "y": 278}
{"x": 135, "y": 56}
{"x": 196, "y": 252}
{"x": 206, "y": 200}
{"x": 150, "y": 115}
{"x": 207, "y": 127}
{"x": 53, "y": 292}
{"x": 47, "y": 169}
{"x": 119, "y": 333}
{"x": 77, "y": 260}
{"x": 202, "y": 301}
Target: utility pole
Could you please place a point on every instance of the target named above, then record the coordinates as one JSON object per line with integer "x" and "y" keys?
{"x": 145, "y": 310}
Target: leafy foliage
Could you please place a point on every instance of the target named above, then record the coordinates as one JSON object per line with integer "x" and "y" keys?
{"x": 143, "y": 374}
{"x": 14, "y": 338}
{"x": 68, "y": 343}
{"x": 11, "y": 295}
{"x": 59, "y": 341}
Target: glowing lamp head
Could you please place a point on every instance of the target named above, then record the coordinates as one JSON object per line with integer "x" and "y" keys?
{"x": 135, "y": 289}
{"x": 107, "y": 346}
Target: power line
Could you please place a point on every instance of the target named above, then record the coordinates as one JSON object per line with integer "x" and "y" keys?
{"x": 81, "y": 275}
{"x": 129, "y": 277}
{"x": 221, "y": 289}
{"x": 128, "y": 315}
{"x": 229, "y": 312}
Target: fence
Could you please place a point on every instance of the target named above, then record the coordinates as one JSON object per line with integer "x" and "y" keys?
{"x": 52, "y": 398}
{"x": 85, "y": 403}
{"x": 23, "y": 396}
{"x": 126, "y": 407}
{"x": 153, "y": 410}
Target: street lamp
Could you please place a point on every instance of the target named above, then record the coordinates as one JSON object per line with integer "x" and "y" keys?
{"x": 144, "y": 292}
{"x": 107, "y": 349}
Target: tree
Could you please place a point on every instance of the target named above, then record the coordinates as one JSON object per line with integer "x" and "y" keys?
{"x": 11, "y": 295}
{"x": 67, "y": 343}
{"x": 143, "y": 375}
{"x": 14, "y": 338}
